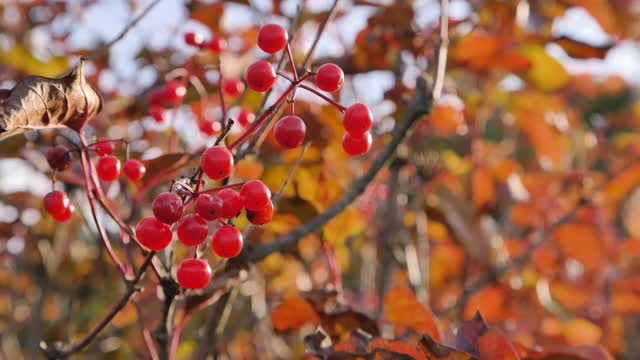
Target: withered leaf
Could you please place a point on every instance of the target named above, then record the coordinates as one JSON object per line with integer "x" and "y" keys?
{"x": 37, "y": 102}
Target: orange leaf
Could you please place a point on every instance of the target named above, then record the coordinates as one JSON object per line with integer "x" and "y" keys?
{"x": 403, "y": 308}
{"x": 582, "y": 332}
{"x": 625, "y": 303}
{"x": 396, "y": 347}
{"x": 446, "y": 120}
{"x": 581, "y": 242}
{"x": 435, "y": 351}
{"x": 475, "y": 47}
{"x": 484, "y": 190}
{"x": 512, "y": 61}
{"x": 621, "y": 185}
{"x": 490, "y": 301}
{"x": 292, "y": 314}
{"x": 492, "y": 345}
{"x": 580, "y": 50}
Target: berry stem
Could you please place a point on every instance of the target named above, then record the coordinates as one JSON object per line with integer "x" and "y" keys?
{"x": 91, "y": 185}
{"x": 219, "y": 188}
{"x": 282, "y": 74}
{"x": 292, "y": 64}
{"x": 324, "y": 97}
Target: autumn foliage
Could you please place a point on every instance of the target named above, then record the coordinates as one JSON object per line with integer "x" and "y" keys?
{"x": 492, "y": 212}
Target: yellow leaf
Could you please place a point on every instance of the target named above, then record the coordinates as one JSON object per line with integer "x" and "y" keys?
{"x": 307, "y": 185}
{"x": 546, "y": 73}
{"x": 275, "y": 176}
{"x": 18, "y": 57}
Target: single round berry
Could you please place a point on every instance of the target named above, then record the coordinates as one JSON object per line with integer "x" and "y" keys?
{"x": 262, "y": 216}
{"x": 232, "y": 87}
{"x": 108, "y": 168}
{"x": 290, "y": 131}
{"x": 231, "y": 203}
{"x": 193, "y": 38}
{"x": 209, "y": 207}
{"x": 167, "y": 207}
{"x": 104, "y": 147}
{"x": 157, "y": 113}
{"x": 255, "y": 195}
{"x": 156, "y": 96}
{"x": 227, "y": 241}
{"x": 209, "y": 127}
{"x": 261, "y": 75}
{"x": 217, "y": 44}
{"x": 192, "y": 230}
{"x": 153, "y": 233}
{"x": 56, "y": 202}
{"x": 272, "y": 38}
{"x": 193, "y": 274}
{"x": 65, "y": 215}
{"x": 217, "y": 162}
{"x": 133, "y": 169}
{"x": 356, "y": 144}
{"x": 329, "y": 77}
{"x": 357, "y": 119}
{"x": 174, "y": 91}
{"x": 59, "y": 158}
{"x": 245, "y": 117}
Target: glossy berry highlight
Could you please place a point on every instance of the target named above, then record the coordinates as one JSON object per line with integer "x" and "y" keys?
{"x": 65, "y": 215}
{"x": 355, "y": 145}
{"x": 174, "y": 91}
{"x": 217, "y": 44}
{"x": 290, "y": 131}
{"x": 192, "y": 230}
{"x": 209, "y": 127}
{"x": 329, "y": 77}
{"x": 245, "y": 117}
{"x": 153, "y": 233}
{"x": 227, "y": 241}
{"x": 133, "y": 169}
{"x": 59, "y": 158}
{"x": 56, "y": 202}
{"x": 167, "y": 207}
{"x": 231, "y": 203}
{"x": 272, "y": 38}
{"x": 193, "y": 38}
{"x": 261, "y": 75}
{"x": 193, "y": 274}
{"x": 255, "y": 195}
{"x": 217, "y": 162}
{"x": 232, "y": 87}
{"x": 108, "y": 168}
{"x": 357, "y": 119}
{"x": 209, "y": 207}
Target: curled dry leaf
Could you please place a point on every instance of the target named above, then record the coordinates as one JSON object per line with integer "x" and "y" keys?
{"x": 38, "y": 102}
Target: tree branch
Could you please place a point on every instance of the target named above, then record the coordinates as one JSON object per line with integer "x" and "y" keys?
{"x": 419, "y": 105}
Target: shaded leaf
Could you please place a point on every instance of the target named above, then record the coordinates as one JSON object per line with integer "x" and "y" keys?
{"x": 580, "y": 50}
{"x": 292, "y": 314}
{"x": 469, "y": 333}
{"x": 434, "y": 351}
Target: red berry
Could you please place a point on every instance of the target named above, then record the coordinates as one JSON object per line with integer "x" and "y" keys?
{"x": 261, "y": 75}
{"x": 217, "y": 44}
{"x": 193, "y": 39}
{"x": 193, "y": 274}
{"x": 272, "y": 38}
{"x": 157, "y": 113}
{"x": 192, "y": 230}
{"x": 174, "y": 91}
{"x": 357, "y": 119}
{"x": 167, "y": 207}
{"x": 217, "y": 162}
{"x": 104, "y": 147}
{"x": 329, "y": 77}
{"x": 262, "y": 216}
{"x": 231, "y": 203}
{"x": 209, "y": 127}
{"x": 290, "y": 131}
{"x": 232, "y": 87}
{"x": 108, "y": 168}
{"x": 245, "y": 117}
{"x": 153, "y": 233}
{"x": 227, "y": 241}
{"x": 356, "y": 144}
{"x": 56, "y": 202}
{"x": 255, "y": 195}
{"x": 59, "y": 158}
{"x": 65, "y": 215}
{"x": 156, "y": 96}
{"x": 133, "y": 169}
{"x": 209, "y": 207}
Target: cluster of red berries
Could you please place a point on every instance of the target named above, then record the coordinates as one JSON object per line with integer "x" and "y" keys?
{"x": 218, "y": 204}
{"x": 170, "y": 93}
{"x": 108, "y": 166}
{"x": 59, "y": 206}
{"x": 216, "y": 44}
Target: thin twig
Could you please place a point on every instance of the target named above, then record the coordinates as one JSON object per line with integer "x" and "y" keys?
{"x": 312, "y": 49}
{"x": 101, "y": 51}
{"x": 441, "y": 52}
